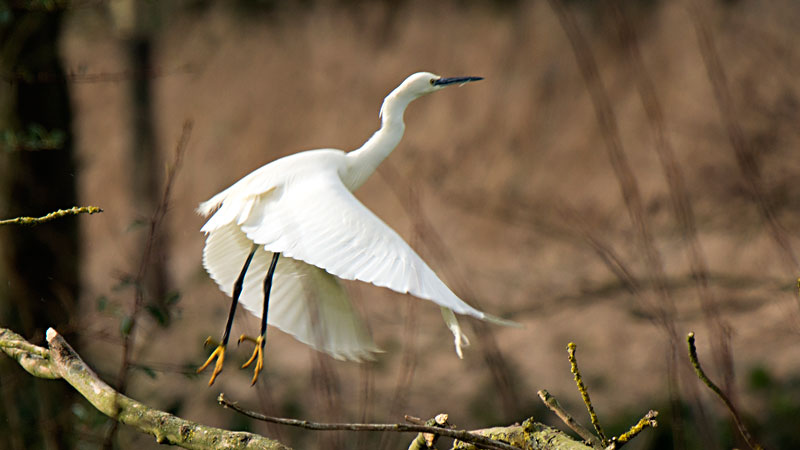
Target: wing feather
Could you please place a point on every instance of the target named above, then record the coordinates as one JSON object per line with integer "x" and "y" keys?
{"x": 305, "y": 302}
{"x": 318, "y": 220}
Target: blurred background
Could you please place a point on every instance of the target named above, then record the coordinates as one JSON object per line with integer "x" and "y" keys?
{"x": 626, "y": 173}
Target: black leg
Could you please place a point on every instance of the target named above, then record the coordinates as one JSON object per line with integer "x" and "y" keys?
{"x": 267, "y": 289}
{"x": 237, "y": 291}
{"x": 258, "y": 352}
{"x": 219, "y": 352}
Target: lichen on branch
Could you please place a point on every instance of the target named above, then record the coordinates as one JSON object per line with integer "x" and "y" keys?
{"x": 61, "y": 361}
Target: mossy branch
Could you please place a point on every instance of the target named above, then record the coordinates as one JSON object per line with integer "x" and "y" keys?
{"x": 529, "y": 436}
{"x": 61, "y": 361}
{"x": 425, "y": 441}
{"x": 649, "y": 420}
{"x": 567, "y": 418}
{"x": 74, "y": 211}
{"x": 573, "y": 362}
{"x": 35, "y": 360}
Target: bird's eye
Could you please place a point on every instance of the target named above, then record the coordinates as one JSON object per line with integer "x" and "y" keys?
{"x": 432, "y": 81}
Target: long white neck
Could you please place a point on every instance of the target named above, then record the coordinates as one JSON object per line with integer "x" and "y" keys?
{"x": 362, "y": 162}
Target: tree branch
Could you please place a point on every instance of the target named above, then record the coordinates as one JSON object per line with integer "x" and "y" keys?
{"x": 573, "y": 361}
{"x": 601, "y": 441}
{"x": 567, "y": 418}
{"x": 731, "y": 407}
{"x": 74, "y": 211}
{"x": 529, "y": 436}
{"x": 35, "y": 360}
{"x": 61, "y": 361}
{"x": 649, "y": 420}
{"x": 461, "y": 435}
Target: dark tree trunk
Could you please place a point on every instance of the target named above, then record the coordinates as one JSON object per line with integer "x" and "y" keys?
{"x": 148, "y": 167}
{"x": 146, "y": 161}
{"x": 38, "y": 265}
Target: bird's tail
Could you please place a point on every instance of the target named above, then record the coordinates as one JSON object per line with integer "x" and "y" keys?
{"x": 460, "y": 339}
{"x": 210, "y": 205}
{"x": 501, "y": 321}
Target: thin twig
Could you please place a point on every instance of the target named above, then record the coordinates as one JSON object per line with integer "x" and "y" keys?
{"x": 604, "y": 249}
{"x": 568, "y": 420}
{"x": 702, "y": 375}
{"x": 78, "y": 76}
{"x": 744, "y": 153}
{"x": 681, "y": 207}
{"x": 573, "y": 362}
{"x": 461, "y": 435}
{"x": 678, "y": 193}
{"x": 428, "y": 440}
{"x": 74, "y": 211}
{"x": 328, "y": 394}
{"x": 408, "y": 366}
{"x": 663, "y": 304}
{"x": 414, "y": 420}
{"x": 496, "y": 362}
{"x": 54, "y": 5}
{"x": 626, "y": 178}
{"x": 144, "y": 263}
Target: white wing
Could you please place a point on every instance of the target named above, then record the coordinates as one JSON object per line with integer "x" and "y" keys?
{"x": 316, "y": 219}
{"x": 305, "y": 301}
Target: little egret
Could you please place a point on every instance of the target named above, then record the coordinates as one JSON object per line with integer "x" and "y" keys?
{"x": 301, "y": 207}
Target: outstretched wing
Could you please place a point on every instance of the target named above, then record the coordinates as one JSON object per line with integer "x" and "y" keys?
{"x": 305, "y": 301}
{"x": 316, "y": 219}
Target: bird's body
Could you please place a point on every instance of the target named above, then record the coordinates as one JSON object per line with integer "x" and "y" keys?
{"x": 301, "y": 207}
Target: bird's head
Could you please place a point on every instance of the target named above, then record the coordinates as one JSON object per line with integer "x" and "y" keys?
{"x": 423, "y": 83}
{"x": 415, "y": 86}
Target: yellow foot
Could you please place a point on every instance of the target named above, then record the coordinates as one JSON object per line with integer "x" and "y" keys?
{"x": 219, "y": 354}
{"x": 258, "y": 355}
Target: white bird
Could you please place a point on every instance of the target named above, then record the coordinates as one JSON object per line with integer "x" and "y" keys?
{"x": 301, "y": 207}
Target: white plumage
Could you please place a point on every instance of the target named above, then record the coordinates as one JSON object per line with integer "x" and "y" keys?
{"x": 302, "y": 207}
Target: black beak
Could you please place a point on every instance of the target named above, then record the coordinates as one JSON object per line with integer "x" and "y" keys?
{"x": 455, "y": 80}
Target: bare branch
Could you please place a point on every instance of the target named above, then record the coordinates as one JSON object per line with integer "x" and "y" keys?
{"x": 731, "y": 407}
{"x": 626, "y": 178}
{"x": 678, "y": 192}
{"x": 567, "y": 418}
{"x": 746, "y": 156}
{"x": 496, "y": 362}
{"x": 461, "y": 435}
{"x": 155, "y": 222}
